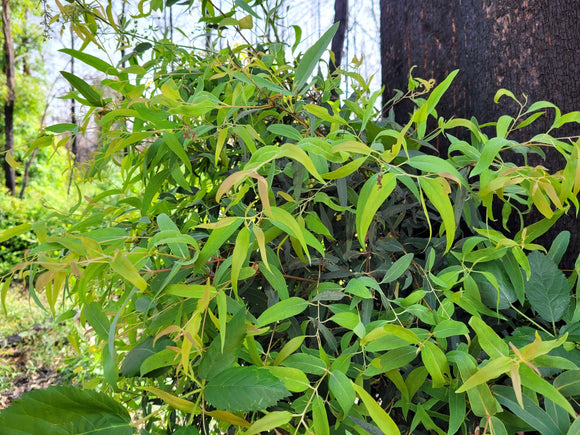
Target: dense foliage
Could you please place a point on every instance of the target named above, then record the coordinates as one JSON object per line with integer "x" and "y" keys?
{"x": 277, "y": 255}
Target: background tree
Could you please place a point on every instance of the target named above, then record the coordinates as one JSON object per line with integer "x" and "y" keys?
{"x": 526, "y": 47}
{"x": 24, "y": 96}
{"x": 10, "y": 96}
{"x": 337, "y": 47}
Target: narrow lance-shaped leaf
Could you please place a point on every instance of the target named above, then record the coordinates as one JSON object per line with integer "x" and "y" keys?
{"x": 376, "y": 412}
{"x": 312, "y": 57}
{"x": 87, "y": 91}
{"x": 439, "y": 197}
{"x": 373, "y": 194}
{"x": 239, "y": 255}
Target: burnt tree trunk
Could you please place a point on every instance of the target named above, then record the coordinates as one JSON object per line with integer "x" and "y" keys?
{"x": 9, "y": 174}
{"x": 337, "y": 47}
{"x": 528, "y": 47}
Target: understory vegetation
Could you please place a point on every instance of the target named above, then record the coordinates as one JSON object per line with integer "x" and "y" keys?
{"x": 271, "y": 254}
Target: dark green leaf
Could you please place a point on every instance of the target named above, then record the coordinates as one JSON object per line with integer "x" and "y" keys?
{"x": 312, "y": 57}
{"x": 86, "y": 90}
{"x": 214, "y": 360}
{"x": 547, "y": 288}
{"x": 132, "y": 362}
{"x": 65, "y": 410}
{"x": 244, "y": 389}
{"x": 531, "y": 413}
{"x": 98, "y": 320}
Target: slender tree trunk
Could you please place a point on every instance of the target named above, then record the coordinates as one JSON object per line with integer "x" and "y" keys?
{"x": 9, "y": 173}
{"x": 337, "y": 47}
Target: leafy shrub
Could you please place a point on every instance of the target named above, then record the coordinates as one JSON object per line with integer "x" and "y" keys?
{"x": 275, "y": 258}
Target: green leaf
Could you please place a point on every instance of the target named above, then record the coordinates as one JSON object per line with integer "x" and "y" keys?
{"x": 244, "y": 389}
{"x": 568, "y": 383}
{"x": 276, "y": 280}
{"x": 391, "y": 360}
{"x": 272, "y": 420}
{"x": 341, "y": 387}
{"x": 493, "y": 369}
{"x": 490, "y": 150}
{"x": 497, "y": 427}
{"x": 307, "y": 363}
{"x": 312, "y": 57}
{"x": 14, "y": 231}
{"x": 166, "y": 224}
{"x": 288, "y": 349}
{"x": 373, "y": 194}
{"x": 347, "y": 319}
{"x": 376, "y": 412}
{"x": 319, "y": 417}
{"x": 123, "y": 266}
{"x": 282, "y": 310}
{"x": 239, "y": 255}
{"x": 489, "y": 341}
{"x": 398, "y": 268}
{"x": 163, "y": 358}
{"x": 218, "y": 357}
{"x": 436, "y": 165}
{"x": 91, "y": 95}
{"x": 144, "y": 349}
{"x": 285, "y": 131}
{"x": 65, "y": 410}
{"x": 322, "y": 113}
{"x": 481, "y": 401}
{"x": 215, "y": 241}
{"x": 449, "y": 328}
{"x": 456, "y": 411}
{"x": 575, "y": 427}
{"x": 559, "y": 246}
{"x": 440, "y": 200}
{"x": 287, "y": 223}
{"x": 357, "y": 288}
{"x": 294, "y": 379}
{"x": 96, "y": 317}
{"x": 96, "y": 62}
{"x": 547, "y": 288}
{"x": 177, "y": 148}
{"x": 531, "y": 413}
{"x": 535, "y": 382}
{"x": 62, "y": 128}
{"x": 436, "y": 363}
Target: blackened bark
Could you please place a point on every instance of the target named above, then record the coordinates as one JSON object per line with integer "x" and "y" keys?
{"x": 337, "y": 47}
{"x": 9, "y": 174}
{"x": 529, "y": 47}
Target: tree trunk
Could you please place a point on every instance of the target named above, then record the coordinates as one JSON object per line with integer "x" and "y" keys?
{"x": 340, "y": 16}
{"x": 9, "y": 173}
{"x": 528, "y": 47}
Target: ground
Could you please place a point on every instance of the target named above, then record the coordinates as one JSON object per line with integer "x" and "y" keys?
{"x": 34, "y": 351}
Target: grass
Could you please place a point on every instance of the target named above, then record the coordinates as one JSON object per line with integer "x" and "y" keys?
{"x": 38, "y": 351}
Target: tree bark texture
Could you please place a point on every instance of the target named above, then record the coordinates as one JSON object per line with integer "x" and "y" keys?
{"x": 337, "y": 47}
{"x": 526, "y": 46}
{"x": 9, "y": 174}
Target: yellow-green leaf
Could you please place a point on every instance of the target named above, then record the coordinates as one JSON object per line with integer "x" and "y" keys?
{"x": 376, "y": 412}
{"x": 435, "y": 189}
{"x": 372, "y": 196}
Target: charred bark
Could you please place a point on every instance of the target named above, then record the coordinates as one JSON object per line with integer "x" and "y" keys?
{"x": 337, "y": 47}
{"x": 9, "y": 173}
{"x": 528, "y": 47}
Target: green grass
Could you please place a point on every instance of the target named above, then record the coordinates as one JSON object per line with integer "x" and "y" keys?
{"x": 41, "y": 345}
